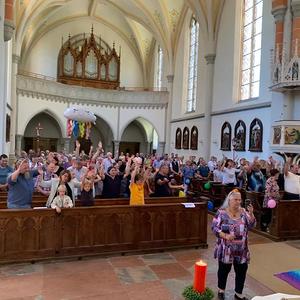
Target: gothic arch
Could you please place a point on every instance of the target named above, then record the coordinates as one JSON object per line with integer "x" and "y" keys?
{"x": 256, "y": 136}
{"x": 178, "y": 138}
{"x": 226, "y": 137}
{"x": 186, "y": 138}
{"x": 194, "y": 138}
{"x": 240, "y": 136}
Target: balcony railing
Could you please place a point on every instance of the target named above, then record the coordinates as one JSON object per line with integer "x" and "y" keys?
{"x": 127, "y": 88}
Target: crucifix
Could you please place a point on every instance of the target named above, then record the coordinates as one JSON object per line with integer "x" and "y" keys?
{"x": 38, "y": 129}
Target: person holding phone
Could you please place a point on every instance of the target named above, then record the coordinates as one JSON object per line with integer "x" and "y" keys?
{"x": 231, "y": 225}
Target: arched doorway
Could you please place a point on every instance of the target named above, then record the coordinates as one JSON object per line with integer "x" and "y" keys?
{"x": 138, "y": 137}
{"x": 42, "y": 132}
{"x": 100, "y": 131}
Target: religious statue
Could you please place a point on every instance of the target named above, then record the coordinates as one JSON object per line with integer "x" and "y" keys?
{"x": 226, "y": 137}
{"x": 178, "y": 138}
{"x": 276, "y": 135}
{"x": 194, "y": 138}
{"x": 186, "y": 138}
{"x": 240, "y": 136}
{"x": 255, "y": 138}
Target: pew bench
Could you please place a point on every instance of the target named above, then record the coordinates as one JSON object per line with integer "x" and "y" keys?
{"x": 35, "y": 234}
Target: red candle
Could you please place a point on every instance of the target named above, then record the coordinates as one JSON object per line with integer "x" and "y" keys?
{"x": 200, "y": 276}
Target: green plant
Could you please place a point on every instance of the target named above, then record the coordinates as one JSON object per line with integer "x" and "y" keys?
{"x": 190, "y": 294}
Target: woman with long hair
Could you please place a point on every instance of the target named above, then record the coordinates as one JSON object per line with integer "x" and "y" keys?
{"x": 231, "y": 225}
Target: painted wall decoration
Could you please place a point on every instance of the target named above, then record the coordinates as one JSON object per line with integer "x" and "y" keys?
{"x": 276, "y": 135}
{"x": 178, "y": 138}
{"x": 186, "y": 138}
{"x": 226, "y": 137}
{"x": 256, "y": 136}
{"x": 240, "y": 136}
{"x": 292, "y": 135}
{"x": 194, "y": 138}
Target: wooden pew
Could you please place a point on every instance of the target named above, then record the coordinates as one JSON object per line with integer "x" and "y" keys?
{"x": 34, "y": 234}
{"x": 285, "y": 216}
{"x": 41, "y": 201}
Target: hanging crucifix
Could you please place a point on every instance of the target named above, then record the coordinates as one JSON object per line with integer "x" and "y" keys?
{"x": 38, "y": 131}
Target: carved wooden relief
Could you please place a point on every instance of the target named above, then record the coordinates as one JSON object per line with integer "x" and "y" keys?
{"x": 178, "y": 138}
{"x": 194, "y": 138}
{"x": 186, "y": 138}
{"x": 256, "y": 136}
{"x": 226, "y": 137}
{"x": 240, "y": 136}
{"x": 88, "y": 62}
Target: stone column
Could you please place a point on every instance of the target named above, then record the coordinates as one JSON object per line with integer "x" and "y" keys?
{"x": 116, "y": 149}
{"x": 66, "y": 144}
{"x": 161, "y": 148}
{"x": 2, "y": 81}
{"x": 210, "y": 61}
{"x": 9, "y": 20}
{"x": 14, "y": 106}
{"x": 279, "y": 8}
{"x": 18, "y": 144}
{"x": 170, "y": 79}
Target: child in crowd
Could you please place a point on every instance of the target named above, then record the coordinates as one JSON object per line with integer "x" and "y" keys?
{"x": 86, "y": 197}
{"x": 137, "y": 187}
{"x": 62, "y": 200}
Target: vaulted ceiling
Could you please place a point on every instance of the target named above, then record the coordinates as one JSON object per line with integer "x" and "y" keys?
{"x": 140, "y": 23}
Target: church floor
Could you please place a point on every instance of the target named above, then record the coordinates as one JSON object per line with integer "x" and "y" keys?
{"x": 159, "y": 276}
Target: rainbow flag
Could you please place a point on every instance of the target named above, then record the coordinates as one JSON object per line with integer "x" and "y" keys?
{"x": 291, "y": 277}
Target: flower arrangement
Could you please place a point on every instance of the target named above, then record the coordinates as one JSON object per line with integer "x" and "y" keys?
{"x": 189, "y": 293}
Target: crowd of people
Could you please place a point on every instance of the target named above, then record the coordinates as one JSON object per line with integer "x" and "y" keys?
{"x": 101, "y": 175}
{"x": 68, "y": 178}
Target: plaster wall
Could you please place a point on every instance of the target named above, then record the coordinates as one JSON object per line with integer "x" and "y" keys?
{"x": 42, "y": 58}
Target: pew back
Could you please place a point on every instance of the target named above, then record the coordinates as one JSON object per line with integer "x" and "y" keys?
{"x": 43, "y": 234}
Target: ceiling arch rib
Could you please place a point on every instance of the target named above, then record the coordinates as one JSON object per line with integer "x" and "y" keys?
{"x": 30, "y": 15}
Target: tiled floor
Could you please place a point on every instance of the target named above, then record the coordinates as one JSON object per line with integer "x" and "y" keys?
{"x": 159, "y": 276}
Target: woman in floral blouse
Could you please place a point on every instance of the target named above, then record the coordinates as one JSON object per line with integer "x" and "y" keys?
{"x": 271, "y": 192}
{"x": 231, "y": 225}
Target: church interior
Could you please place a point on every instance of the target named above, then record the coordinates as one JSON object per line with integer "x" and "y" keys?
{"x": 208, "y": 88}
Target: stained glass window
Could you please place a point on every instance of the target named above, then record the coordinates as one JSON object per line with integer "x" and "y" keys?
{"x": 251, "y": 48}
{"x": 193, "y": 65}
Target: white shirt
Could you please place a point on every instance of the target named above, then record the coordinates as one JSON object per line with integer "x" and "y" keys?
{"x": 292, "y": 183}
{"x": 218, "y": 175}
{"x": 229, "y": 175}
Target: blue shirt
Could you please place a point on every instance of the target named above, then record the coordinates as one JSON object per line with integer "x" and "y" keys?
{"x": 4, "y": 173}
{"x": 20, "y": 191}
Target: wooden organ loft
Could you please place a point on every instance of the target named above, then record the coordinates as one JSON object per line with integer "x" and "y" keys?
{"x": 88, "y": 62}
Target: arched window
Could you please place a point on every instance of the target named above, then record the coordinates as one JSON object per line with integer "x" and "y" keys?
{"x": 256, "y": 136}
{"x": 194, "y": 138}
{"x": 178, "y": 138}
{"x": 226, "y": 137}
{"x": 251, "y": 48}
{"x": 240, "y": 136}
{"x": 193, "y": 65}
{"x": 159, "y": 73}
{"x": 186, "y": 138}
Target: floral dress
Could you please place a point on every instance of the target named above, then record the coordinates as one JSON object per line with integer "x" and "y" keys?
{"x": 271, "y": 191}
{"x": 235, "y": 250}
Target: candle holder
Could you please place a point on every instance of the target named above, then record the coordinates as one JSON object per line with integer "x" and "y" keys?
{"x": 190, "y": 294}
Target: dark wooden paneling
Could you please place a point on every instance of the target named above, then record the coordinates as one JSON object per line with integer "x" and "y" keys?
{"x": 42, "y": 233}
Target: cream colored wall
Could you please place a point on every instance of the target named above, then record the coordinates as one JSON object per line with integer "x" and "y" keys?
{"x": 156, "y": 117}
{"x": 42, "y": 58}
{"x": 188, "y": 123}
{"x": 180, "y": 74}
{"x": 227, "y": 63}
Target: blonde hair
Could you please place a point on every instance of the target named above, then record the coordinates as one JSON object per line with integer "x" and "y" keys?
{"x": 228, "y": 198}
{"x": 60, "y": 187}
